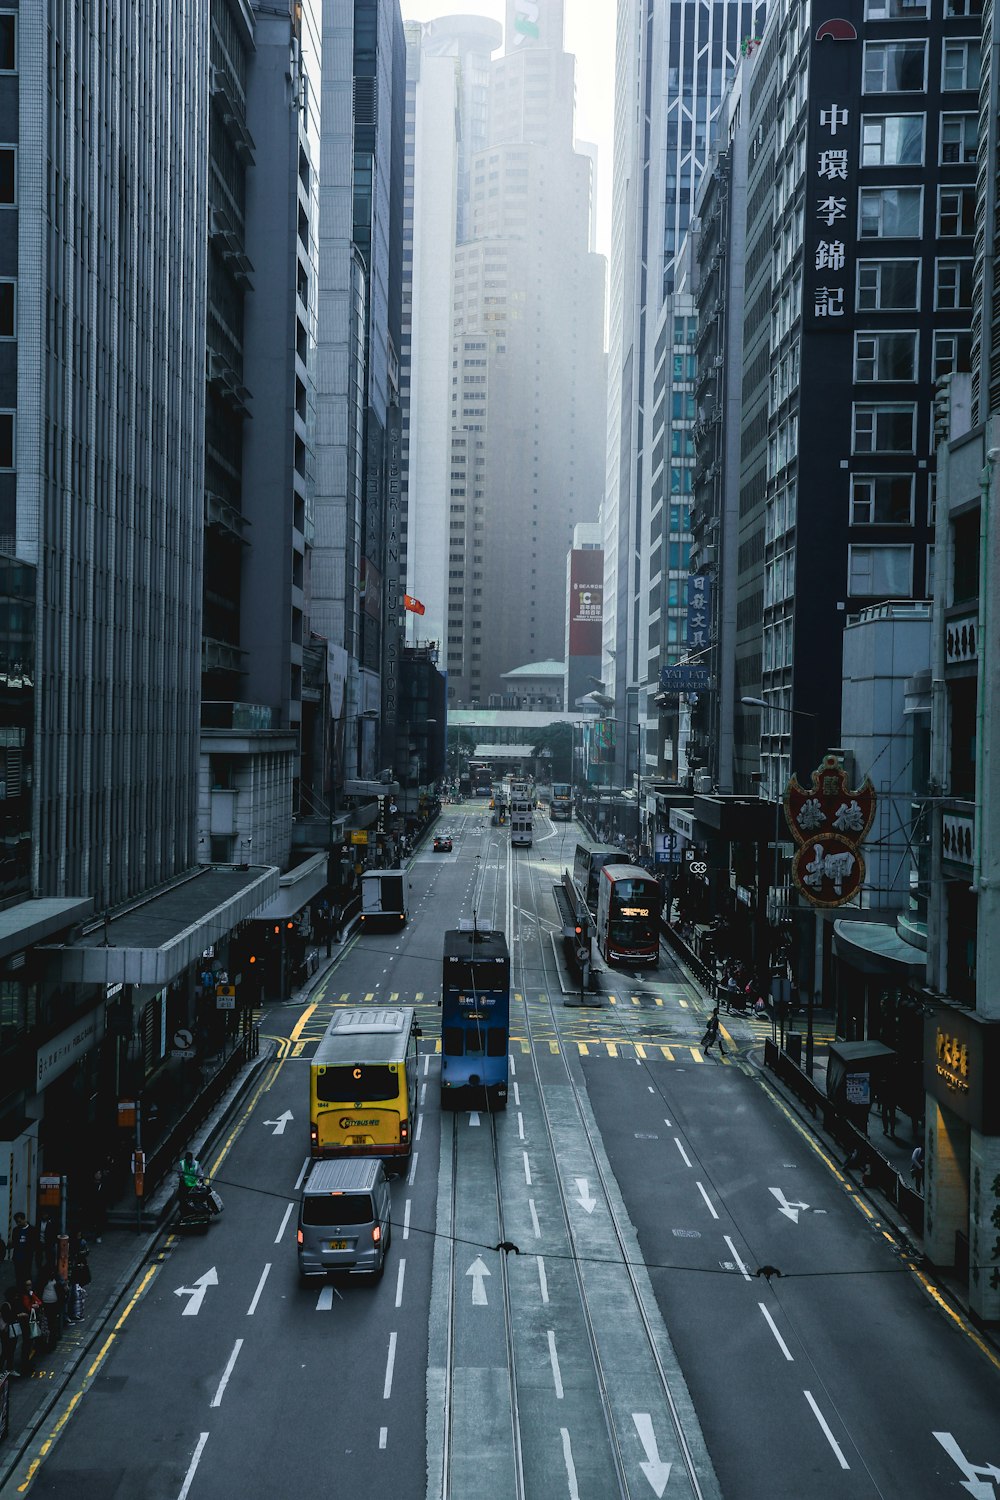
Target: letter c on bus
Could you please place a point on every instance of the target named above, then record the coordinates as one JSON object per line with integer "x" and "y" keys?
{"x": 357, "y": 1072}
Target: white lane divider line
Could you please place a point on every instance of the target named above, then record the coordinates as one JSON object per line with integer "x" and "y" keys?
{"x": 383, "y": 1436}
{"x": 260, "y": 1287}
{"x": 826, "y": 1431}
{"x": 423, "y": 1094}
{"x": 304, "y": 1169}
{"x": 420, "y": 1126}
{"x": 667, "y": 1122}
{"x": 774, "y": 1329}
{"x": 542, "y": 1279}
{"x": 711, "y": 1205}
{"x": 649, "y": 1087}
{"x": 527, "y": 1168}
{"x": 284, "y": 1223}
{"x": 513, "y": 1066}
{"x": 680, "y": 1147}
{"x": 427, "y": 1063}
{"x": 520, "y": 1126}
{"x": 736, "y": 1257}
{"x": 324, "y": 1302}
{"x": 389, "y": 1367}
{"x": 217, "y": 1398}
{"x": 534, "y": 1219}
{"x": 189, "y": 1476}
{"x": 399, "y": 1283}
{"x": 413, "y": 1169}
{"x": 406, "y": 1219}
{"x": 574, "y": 1493}
{"x": 554, "y": 1358}
{"x": 517, "y": 1096}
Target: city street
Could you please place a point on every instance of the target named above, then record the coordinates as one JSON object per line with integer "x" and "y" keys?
{"x": 644, "y": 1278}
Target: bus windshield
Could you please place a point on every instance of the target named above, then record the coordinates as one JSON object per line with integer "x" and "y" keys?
{"x": 354, "y": 1082}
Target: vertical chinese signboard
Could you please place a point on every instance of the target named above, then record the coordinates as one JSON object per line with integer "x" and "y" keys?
{"x": 699, "y": 615}
{"x": 832, "y": 169}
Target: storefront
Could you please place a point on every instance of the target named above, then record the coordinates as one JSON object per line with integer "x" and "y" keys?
{"x": 962, "y": 1181}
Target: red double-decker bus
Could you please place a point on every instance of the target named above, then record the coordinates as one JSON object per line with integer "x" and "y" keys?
{"x": 628, "y": 915}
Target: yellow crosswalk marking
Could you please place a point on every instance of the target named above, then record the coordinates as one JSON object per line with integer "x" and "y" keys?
{"x": 554, "y": 1048}
{"x": 612, "y": 1048}
{"x": 613, "y": 999}
{"x": 525, "y": 1046}
{"x": 636, "y": 1000}
{"x": 369, "y": 997}
{"x": 640, "y": 1050}
{"x": 658, "y": 1000}
{"x": 583, "y": 1049}
{"x": 343, "y": 999}
{"x": 298, "y": 1049}
{"x": 668, "y": 1052}
{"x": 419, "y": 995}
{"x": 394, "y": 996}
{"x": 437, "y": 1044}
{"x": 696, "y": 1054}
{"x": 682, "y": 1003}
{"x": 517, "y": 996}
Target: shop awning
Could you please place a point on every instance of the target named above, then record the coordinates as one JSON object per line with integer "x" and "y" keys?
{"x": 876, "y": 948}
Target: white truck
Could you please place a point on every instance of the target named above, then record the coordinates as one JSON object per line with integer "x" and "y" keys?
{"x": 384, "y": 898}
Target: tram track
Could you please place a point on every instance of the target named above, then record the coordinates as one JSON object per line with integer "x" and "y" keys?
{"x": 527, "y": 898}
{"x": 492, "y": 906}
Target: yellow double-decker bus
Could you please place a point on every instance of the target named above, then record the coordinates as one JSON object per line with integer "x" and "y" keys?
{"x": 363, "y": 1085}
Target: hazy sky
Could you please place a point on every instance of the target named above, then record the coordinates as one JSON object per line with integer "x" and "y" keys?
{"x": 590, "y": 36}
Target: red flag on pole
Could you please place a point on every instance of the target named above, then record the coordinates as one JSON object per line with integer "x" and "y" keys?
{"x": 413, "y": 605}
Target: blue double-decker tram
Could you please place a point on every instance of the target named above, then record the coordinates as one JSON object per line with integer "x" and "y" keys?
{"x": 475, "y": 1020}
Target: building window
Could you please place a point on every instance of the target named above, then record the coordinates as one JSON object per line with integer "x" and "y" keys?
{"x": 890, "y": 213}
{"x": 956, "y": 211}
{"x": 6, "y": 439}
{"x": 952, "y": 351}
{"x": 8, "y": 43}
{"x": 959, "y": 139}
{"x": 892, "y": 140}
{"x": 8, "y": 175}
{"x": 885, "y": 356}
{"x": 888, "y": 285}
{"x": 883, "y": 571}
{"x": 881, "y": 499}
{"x": 896, "y": 10}
{"x": 960, "y": 65}
{"x": 952, "y": 284}
{"x": 895, "y": 67}
{"x": 960, "y": 9}
{"x": 887, "y": 428}
{"x": 8, "y": 309}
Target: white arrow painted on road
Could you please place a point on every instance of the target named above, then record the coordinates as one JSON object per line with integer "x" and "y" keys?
{"x": 280, "y": 1123}
{"x": 790, "y": 1210}
{"x": 654, "y": 1469}
{"x": 586, "y": 1202}
{"x": 979, "y": 1489}
{"x": 197, "y": 1292}
{"x": 474, "y": 1118}
{"x": 478, "y": 1272}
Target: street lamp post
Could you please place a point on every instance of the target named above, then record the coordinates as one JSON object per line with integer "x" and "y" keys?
{"x": 797, "y": 713}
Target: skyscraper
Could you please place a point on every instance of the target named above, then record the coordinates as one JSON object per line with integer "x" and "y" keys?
{"x": 672, "y": 62}
{"x": 527, "y": 394}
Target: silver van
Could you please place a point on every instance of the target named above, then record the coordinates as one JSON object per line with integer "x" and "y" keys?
{"x": 344, "y": 1220}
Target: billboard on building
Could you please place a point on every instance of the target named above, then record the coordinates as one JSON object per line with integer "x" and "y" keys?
{"x": 586, "y": 601}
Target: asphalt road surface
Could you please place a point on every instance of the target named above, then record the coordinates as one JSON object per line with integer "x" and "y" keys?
{"x": 622, "y": 1344}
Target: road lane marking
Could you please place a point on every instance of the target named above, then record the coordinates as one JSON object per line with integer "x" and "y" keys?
{"x": 284, "y": 1223}
{"x": 554, "y": 1359}
{"x": 420, "y": 1126}
{"x": 517, "y": 1094}
{"x": 217, "y": 1398}
{"x": 542, "y": 1279}
{"x": 520, "y": 1126}
{"x": 708, "y": 1201}
{"x": 527, "y": 1169}
{"x": 427, "y": 1063}
{"x": 513, "y": 1068}
{"x": 302, "y": 1172}
{"x": 736, "y": 1257}
{"x": 583, "y": 1049}
{"x": 667, "y": 1122}
{"x": 826, "y": 1430}
{"x": 399, "y": 1283}
{"x": 406, "y": 1219}
{"x": 774, "y": 1329}
{"x": 423, "y": 1094}
{"x": 389, "y": 1366}
{"x": 413, "y": 1169}
{"x": 383, "y": 1436}
{"x": 612, "y": 1048}
{"x": 260, "y": 1287}
{"x": 324, "y": 1302}
{"x": 534, "y": 1219}
{"x": 574, "y": 1493}
{"x": 189, "y": 1477}
{"x": 677, "y": 1143}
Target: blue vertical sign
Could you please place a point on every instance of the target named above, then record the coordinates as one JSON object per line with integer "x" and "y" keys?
{"x": 699, "y": 610}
